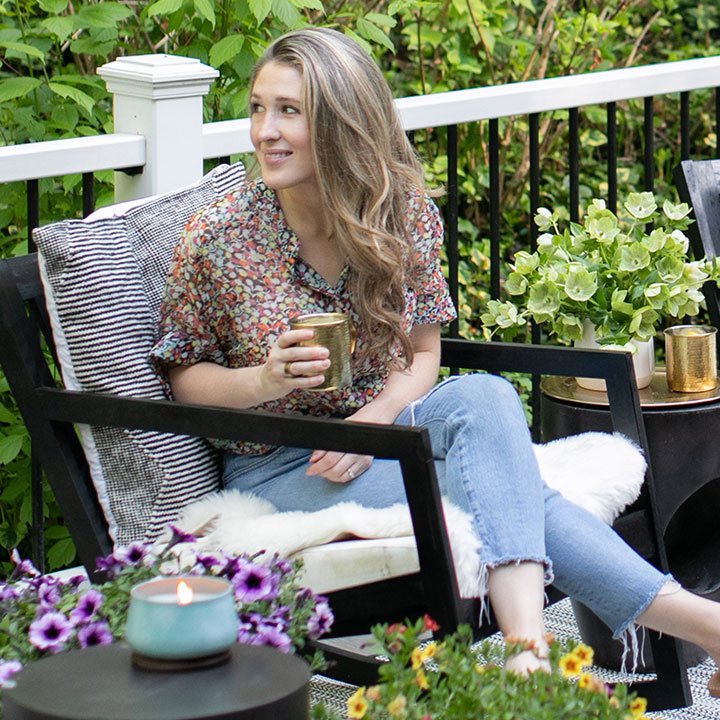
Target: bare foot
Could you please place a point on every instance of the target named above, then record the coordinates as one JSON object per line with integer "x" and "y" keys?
{"x": 528, "y": 661}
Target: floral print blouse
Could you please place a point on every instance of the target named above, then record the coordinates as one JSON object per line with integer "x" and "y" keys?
{"x": 236, "y": 280}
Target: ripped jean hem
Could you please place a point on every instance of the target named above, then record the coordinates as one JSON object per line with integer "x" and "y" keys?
{"x": 548, "y": 577}
{"x": 627, "y": 631}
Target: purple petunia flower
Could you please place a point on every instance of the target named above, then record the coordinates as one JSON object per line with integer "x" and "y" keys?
{"x": 7, "y": 669}
{"x": 50, "y": 631}
{"x": 23, "y": 568}
{"x": 132, "y": 554}
{"x": 208, "y": 562}
{"x": 179, "y": 536}
{"x": 282, "y": 566}
{"x": 96, "y": 633}
{"x": 86, "y": 607}
{"x": 254, "y": 582}
{"x": 320, "y": 621}
{"x": 8, "y": 592}
{"x": 109, "y": 565}
{"x": 254, "y": 629}
{"x": 48, "y": 593}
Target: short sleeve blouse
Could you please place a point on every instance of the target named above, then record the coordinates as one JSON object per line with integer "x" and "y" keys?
{"x": 236, "y": 280}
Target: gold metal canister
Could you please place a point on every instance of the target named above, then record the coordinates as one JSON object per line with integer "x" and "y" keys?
{"x": 691, "y": 358}
{"x": 333, "y": 331}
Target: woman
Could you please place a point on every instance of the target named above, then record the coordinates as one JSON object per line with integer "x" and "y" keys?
{"x": 340, "y": 222}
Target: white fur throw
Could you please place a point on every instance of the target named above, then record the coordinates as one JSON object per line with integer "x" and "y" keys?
{"x": 602, "y": 473}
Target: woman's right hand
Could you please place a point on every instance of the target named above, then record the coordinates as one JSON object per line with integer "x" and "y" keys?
{"x": 291, "y": 366}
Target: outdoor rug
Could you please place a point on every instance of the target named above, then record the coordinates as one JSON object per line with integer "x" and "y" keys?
{"x": 561, "y": 622}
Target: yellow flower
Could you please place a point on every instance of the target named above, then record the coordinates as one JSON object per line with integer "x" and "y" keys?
{"x": 570, "y": 665}
{"x": 638, "y": 706}
{"x": 584, "y": 654}
{"x": 396, "y": 707}
{"x": 373, "y": 693}
{"x": 357, "y": 705}
{"x": 421, "y": 680}
{"x": 589, "y": 682}
{"x": 429, "y": 651}
{"x": 416, "y": 658}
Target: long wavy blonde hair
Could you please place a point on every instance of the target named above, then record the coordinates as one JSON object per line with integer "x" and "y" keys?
{"x": 367, "y": 172}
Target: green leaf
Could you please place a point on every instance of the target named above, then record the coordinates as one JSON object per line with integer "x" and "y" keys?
{"x": 287, "y": 13}
{"x": 309, "y": 4}
{"x": 24, "y": 48}
{"x": 17, "y": 87}
{"x": 57, "y": 532}
{"x": 14, "y": 488}
{"x": 488, "y": 38}
{"x": 65, "y": 117}
{"x": 7, "y": 416}
{"x": 66, "y": 91}
{"x": 380, "y": 19}
{"x": 374, "y": 33}
{"x": 205, "y": 9}
{"x": 226, "y": 49}
{"x": 61, "y": 27}
{"x": 104, "y": 14}
{"x": 260, "y": 8}
{"x": 61, "y": 554}
{"x": 10, "y": 447}
{"x": 53, "y": 6}
{"x": 164, "y": 7}
{"x": 358, "y": 39}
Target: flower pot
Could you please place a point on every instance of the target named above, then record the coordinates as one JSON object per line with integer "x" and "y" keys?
{"x": 643, "y": 358}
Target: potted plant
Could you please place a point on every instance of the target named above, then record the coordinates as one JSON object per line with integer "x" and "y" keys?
{"x": 606, "y": 281}
{"x": 43, "y": 615}
{"x": 455, "y": 679}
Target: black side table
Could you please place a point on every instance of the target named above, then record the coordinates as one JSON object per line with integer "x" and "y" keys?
{"x": 683, "y": 432}
{"x": 101, "y": 683}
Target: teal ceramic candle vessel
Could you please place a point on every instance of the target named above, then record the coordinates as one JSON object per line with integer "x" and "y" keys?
{"x": 181, "y": 618}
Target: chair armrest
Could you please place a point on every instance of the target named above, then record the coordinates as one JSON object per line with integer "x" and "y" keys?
{"x": 612, "y": 366}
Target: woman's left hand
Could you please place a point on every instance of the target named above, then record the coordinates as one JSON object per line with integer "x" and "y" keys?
{"x": 337, "y": 466}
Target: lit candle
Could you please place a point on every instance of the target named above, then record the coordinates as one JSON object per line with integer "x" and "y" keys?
{"x": 175, "y": 618}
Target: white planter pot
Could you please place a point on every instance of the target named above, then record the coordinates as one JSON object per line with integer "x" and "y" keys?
{"x": 643, "y": 358}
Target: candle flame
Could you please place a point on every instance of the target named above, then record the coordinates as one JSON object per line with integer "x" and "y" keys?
{"x": 184, "y": 593}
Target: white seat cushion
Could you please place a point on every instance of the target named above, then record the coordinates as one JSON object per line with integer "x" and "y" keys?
{"x": 348, "y": 563}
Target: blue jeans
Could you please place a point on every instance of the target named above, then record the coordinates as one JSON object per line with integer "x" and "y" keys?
{"x": 485, "y": 465}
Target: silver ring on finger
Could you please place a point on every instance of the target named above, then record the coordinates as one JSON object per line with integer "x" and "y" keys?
{"x": 350, "y": 473}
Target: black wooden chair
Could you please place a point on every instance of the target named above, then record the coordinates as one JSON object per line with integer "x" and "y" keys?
{"x": 51, "y": 414}
{"x": 698, "y": 184}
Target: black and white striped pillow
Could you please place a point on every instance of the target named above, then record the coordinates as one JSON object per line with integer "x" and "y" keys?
{"x": 103, "y": 282}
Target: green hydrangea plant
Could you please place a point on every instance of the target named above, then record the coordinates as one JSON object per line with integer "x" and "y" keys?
{"x": 618, "y": 275}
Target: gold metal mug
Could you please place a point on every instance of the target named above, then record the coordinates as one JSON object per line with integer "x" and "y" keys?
{"x": 691, "y": 358}
{"x": 335, "y": 332}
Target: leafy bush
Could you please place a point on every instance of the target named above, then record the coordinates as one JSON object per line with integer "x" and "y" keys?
{"x": 453, "y": 680}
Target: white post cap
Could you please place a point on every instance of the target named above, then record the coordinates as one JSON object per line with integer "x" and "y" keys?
{"x": 157, "y": 76}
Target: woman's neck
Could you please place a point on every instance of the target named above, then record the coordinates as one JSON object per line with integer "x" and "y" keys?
{"x": 306, "y": 217}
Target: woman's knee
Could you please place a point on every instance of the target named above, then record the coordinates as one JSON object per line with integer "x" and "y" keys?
{"x": 484, "y": 387}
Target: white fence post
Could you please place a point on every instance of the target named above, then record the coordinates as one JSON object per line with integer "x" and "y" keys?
{"x": 159, "y": 97}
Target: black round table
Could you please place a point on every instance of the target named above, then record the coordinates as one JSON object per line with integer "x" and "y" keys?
{"x": 102, "y": 683}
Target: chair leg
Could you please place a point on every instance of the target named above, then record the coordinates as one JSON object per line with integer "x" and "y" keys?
{"x": 346, "y": 664}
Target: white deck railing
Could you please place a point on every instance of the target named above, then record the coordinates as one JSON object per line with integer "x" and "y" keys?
{"x": 158, "y": 116}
